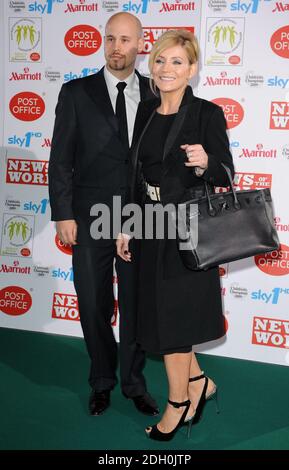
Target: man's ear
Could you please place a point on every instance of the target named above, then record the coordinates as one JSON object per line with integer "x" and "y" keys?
{"x": 140, "y": 45}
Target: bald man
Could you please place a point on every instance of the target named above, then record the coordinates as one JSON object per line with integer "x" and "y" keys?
{"x": 89, "y": 165}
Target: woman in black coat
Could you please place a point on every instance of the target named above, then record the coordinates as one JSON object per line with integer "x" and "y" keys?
{"x": 177, "y": 307}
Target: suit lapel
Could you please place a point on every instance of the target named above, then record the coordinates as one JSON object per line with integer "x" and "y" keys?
{"x": 97, "y": 90}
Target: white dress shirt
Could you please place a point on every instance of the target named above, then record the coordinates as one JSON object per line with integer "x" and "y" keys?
{"x": 131, "y": 93}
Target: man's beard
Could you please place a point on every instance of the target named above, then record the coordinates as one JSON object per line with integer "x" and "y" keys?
{"x": 117, "y": 64}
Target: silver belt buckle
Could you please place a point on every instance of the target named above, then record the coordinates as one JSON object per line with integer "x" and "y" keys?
{"x": 153, "y": 192}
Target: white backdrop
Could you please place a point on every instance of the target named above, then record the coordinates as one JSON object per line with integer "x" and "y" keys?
{"x": 243, "y": 68}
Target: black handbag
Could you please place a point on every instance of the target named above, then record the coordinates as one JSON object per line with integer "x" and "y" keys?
{"x": 224, "y": 227}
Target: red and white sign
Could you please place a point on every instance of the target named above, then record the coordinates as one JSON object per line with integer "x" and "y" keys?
{"x": 83, "y": 40}
{"x": 279, "y": 115}
{"x": 65, "y": 307}
{"x": 151, "y": 34}
{"x": 275, "y": 263}
{"x": 27, "y": 106}
{"x": 279, "y": 42}
{"x": 244, "y": 181}
{"x": 67, "y": 249}
{"x": 270, "y": 332}
{"x": 15, "y": 300}
{"x": 233, "y": 111}
{"x": 20, "y": 171}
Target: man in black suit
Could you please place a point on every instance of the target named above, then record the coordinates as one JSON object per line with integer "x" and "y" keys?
{"x": 89, "y": 165}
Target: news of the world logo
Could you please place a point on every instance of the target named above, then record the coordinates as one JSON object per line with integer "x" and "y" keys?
{"x": 270, "y": 332}
{"x": 279, "y": 116}
{"x": 20, "y": 171}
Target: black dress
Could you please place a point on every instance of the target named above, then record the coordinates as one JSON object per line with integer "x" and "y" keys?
{"x": 151, "y": 155}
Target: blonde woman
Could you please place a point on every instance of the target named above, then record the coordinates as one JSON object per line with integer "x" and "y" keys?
{"x": 177, "y": 308}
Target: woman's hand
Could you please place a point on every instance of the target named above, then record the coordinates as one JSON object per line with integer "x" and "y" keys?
{"x": 197, "y": 157}
{"x": 122, "y": 242}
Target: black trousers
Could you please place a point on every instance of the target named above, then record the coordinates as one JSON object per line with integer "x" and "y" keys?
{"x": 93, "y": 273}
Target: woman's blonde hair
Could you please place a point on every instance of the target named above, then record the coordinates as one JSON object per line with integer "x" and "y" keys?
{"x": 175, "y": 37}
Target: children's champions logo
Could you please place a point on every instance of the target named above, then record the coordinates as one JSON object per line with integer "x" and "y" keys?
{"x": 17, "y": 235}
{"x": 25, "y": 39}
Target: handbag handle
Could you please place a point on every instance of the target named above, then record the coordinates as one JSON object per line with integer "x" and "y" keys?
{"x": 212, "y": 211}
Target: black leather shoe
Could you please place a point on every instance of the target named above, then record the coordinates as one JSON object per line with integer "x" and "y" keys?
{"x": 99, "y": 402}
{"x": 146, "y": 405}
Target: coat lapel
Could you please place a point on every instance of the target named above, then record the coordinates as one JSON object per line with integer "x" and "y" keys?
{"x": 98, "y": 92}
{"x": 177, "y": 129}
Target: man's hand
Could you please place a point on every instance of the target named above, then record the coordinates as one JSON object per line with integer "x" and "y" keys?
{"x": 67, "y": 231}
{"x": 122, "y": 246}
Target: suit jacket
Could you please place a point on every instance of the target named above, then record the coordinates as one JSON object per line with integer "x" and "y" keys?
{"x": 88, "y": 163}
{"x": 198, "y": 121}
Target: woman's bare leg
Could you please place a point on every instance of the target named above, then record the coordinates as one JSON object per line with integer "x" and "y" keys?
{"x": 178, "y": 371}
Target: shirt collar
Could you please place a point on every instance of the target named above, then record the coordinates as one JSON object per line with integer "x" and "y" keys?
{"x": 112, "y": 81}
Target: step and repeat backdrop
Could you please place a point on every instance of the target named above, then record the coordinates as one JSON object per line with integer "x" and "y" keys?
{"x": 244, "y": 68}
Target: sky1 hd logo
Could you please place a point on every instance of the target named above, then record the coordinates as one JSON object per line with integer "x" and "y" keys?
{"x": 59, "y": 273}
{"x": 36, "y": 207}
{"x": 23, "y": 141}
{"x": 27, "y": 139}
{"x": 270, "y": 332}
{"x": 84, "y": 73}
{"x": 138, "y": 7}
{"x": 245, "y": 7}
{"x": 270, "y": 297}
{"x": 44, "y": 7}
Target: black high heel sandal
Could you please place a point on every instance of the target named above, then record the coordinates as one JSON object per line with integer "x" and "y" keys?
{"x": 157, "y": 435}
{"x": 204, "y": 397}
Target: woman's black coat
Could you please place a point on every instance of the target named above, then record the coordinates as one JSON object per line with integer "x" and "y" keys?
{"x": 189, "y": 305}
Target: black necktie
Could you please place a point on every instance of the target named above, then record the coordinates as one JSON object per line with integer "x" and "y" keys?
{"x": 120, "y": 112}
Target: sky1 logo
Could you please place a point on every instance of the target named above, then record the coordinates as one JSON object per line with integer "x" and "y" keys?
{"x": 23, "y": 141}
{"x": 47, "y": 7}
{"x": 84, "y": 73}
{"x": 141, "y": 7}
{"x": 35, "y": 207}
{"x": 64, "y": 275}
{"x": 245, "y": 7}
{"x": 271, "y": 297}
